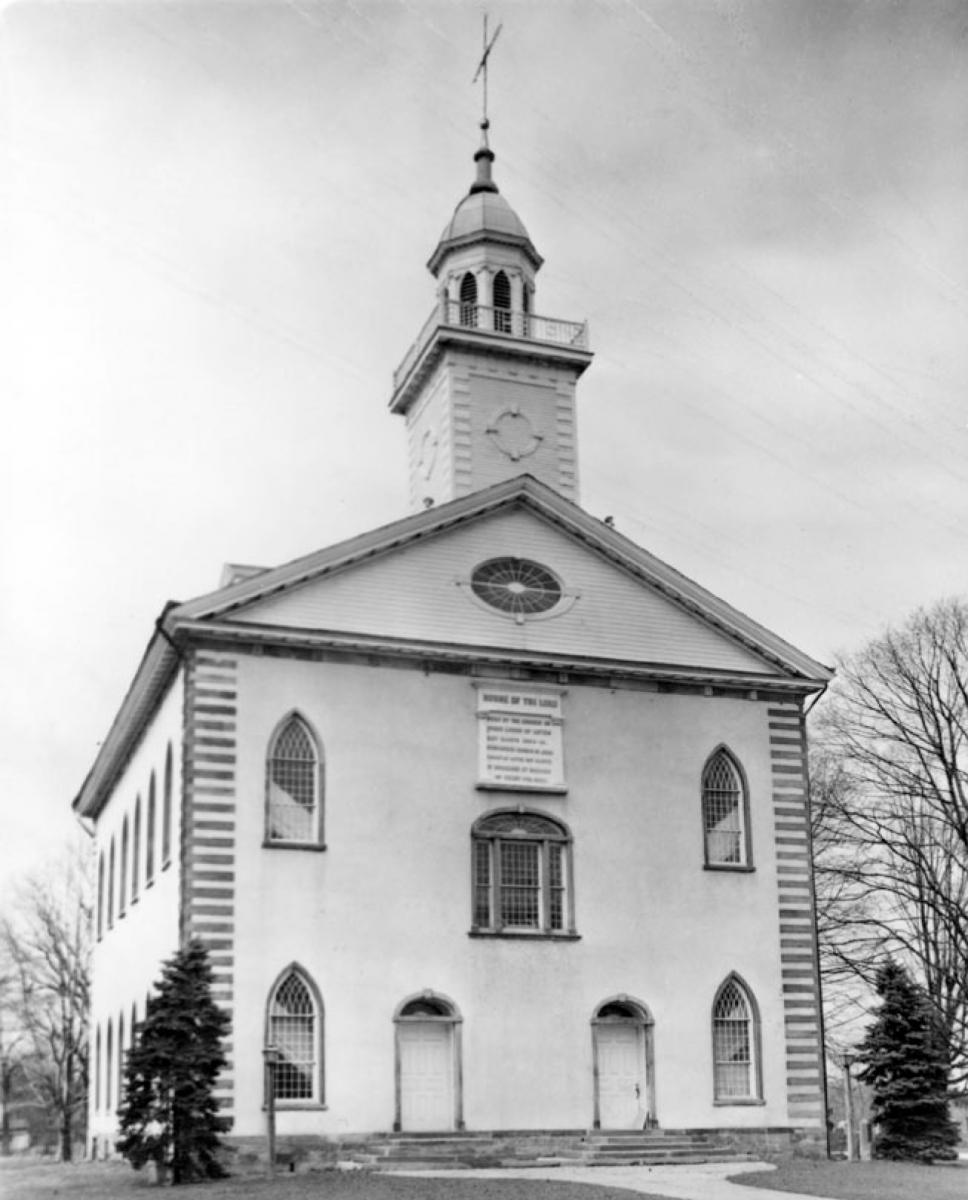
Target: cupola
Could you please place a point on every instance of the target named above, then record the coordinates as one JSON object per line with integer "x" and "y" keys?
{"x": 488, "y": 387}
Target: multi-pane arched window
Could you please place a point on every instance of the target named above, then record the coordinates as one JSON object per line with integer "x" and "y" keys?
{"x": 120, "y": 1083}
{"x": 100, "y": 894}
{"x": 166, "y": 811}
{"x": 123, "y": 873}
{"x": 97, "y": 1070}
{"x": 468, "y": 299}
{"x": 521, "y": 874}
{"x": 725, "y": 815}
{"x": 111, "y": 885}
{"x": 736, "y": 1068}
{"x": 136, "y": 852}
{"x": 294, "y": 785}
{"x": 108, "y": 1069}
{"x": 502, "y": 303}
{"x": 294, "y": 1028}
{"x": 150, "y": 834}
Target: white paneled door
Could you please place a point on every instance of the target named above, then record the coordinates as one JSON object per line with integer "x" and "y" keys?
{"x": 426, "y": 1076}
{"x": 621, "y": 1077}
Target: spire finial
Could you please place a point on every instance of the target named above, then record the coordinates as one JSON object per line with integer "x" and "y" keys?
{"x": 485, "y": 155}
{"x": 482, "y": 71}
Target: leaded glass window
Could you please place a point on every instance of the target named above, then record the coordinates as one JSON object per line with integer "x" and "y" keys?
{"x": 150, "y": 834}
{"x": 100, "y": 895}
{"x": 123, "y": 874}
{"x": 136, "y": 853}
{"x": 111, "y": 886}
{"x": 294, "y": 1031}
{"x": 166, "y": 811}
{"x": 521, "y": 868}
{"x": 724, "y": 812}
{"x": 734, "y": 1040}
{"x": 293, "y": 784}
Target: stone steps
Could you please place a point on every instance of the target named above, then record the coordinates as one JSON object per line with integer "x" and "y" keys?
{"x": 613, "y": 1148}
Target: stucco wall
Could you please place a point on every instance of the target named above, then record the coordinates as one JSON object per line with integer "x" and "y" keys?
{"x": 127, "y": 956}
{"x": 384, "y": 911}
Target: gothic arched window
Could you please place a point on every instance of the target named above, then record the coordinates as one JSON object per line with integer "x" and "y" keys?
{"x": 123, "y": 873}
{"x": 166, "y": 811}
{"x": 468, "y": 299}
{"x": 295, "y": 1029}
{"x": 294, "y": 785}
{"x": 502, "y": 303}
{"x": 100, "y": 895}
{"x": 136, "y": 852}
{"x": 736, "y": 1068}
{"x": 150, "y": 834}
{"x": 111, "y": 886}
{"x": 108, "y": 1069}
{"x": 521, "y": 874}
{"x": 725, "y": 815}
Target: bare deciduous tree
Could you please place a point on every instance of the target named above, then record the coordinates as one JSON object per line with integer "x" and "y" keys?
{"x": 46, "y": 946}
{"x": 890, "y": 801}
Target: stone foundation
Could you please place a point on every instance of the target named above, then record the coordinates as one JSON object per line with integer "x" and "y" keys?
{"x": 510, "y": 1148}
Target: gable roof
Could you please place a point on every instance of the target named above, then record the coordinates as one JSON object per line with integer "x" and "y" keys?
{"x": 221, "y": 615}
{"x": 522, "y": 491}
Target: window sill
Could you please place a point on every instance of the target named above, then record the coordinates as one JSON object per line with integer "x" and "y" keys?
{"x": 735, "y": 868}
{"x": 297, "y": 1106}
{"x": 281, "y": 845}
{"x": 739, "y": 1103}
{"x": 545, "y": 789}
{"x": 522, "y": 935}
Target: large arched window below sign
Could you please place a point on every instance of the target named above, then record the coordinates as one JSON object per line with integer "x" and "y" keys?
{"x": 521, "y": 875}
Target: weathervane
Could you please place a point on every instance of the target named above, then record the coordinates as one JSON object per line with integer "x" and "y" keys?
{"x": 482, "y": 71}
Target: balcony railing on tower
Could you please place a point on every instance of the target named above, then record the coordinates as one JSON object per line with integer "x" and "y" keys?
{"x": 504, "y": 322}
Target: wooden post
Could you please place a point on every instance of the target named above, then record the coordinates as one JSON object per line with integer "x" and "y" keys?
{"x": 271, "y": 1054}
{"x": 852, "y": 1150}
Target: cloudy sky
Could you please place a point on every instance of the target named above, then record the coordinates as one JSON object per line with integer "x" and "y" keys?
{"x": 215, "y": 223}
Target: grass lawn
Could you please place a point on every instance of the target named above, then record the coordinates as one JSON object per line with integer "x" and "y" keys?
{"x": 37, "y": 1180}
{"x": 865, "y": 1181}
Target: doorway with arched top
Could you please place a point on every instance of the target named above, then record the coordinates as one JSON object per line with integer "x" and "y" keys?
{"x": 428, "y": 1068}
{"x": 623, "y": 1065}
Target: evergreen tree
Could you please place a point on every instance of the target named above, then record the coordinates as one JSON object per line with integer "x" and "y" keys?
{"x": 169, "y": 1114}
{"x": 907, "y": 1055}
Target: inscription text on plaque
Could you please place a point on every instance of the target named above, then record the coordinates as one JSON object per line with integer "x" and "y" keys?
{"x": 520, "y": 742}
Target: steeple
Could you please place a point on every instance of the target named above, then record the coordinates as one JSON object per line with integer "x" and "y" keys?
{"x": 488, "y": 387}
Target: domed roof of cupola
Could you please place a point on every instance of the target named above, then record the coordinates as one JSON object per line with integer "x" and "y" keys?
{"x": 483, "y": 216}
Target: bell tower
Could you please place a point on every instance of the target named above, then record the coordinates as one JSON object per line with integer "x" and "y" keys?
{"x": 488, "y": 388}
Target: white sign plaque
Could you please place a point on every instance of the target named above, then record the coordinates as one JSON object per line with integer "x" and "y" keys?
{"x": 520, "y": 743}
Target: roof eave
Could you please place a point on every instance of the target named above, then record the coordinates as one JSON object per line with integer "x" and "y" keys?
{"x": 155, "y": 672}
{"x": 448, "y": 244}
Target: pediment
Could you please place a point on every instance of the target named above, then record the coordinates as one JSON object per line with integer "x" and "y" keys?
{"x": 411, "y": 583}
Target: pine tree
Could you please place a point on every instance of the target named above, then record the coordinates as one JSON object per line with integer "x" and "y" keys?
{"x": 907, "y": 1056}
{"x": 169, "y": 1114}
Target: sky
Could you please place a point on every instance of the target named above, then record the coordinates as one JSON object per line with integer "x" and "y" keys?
{"x": 214, "y": 225}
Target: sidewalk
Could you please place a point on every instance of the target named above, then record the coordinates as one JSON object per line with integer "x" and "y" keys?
{"x": 704, "y": 1181}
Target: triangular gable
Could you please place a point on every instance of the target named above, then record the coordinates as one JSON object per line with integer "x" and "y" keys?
{"x": 409, "y": 581}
